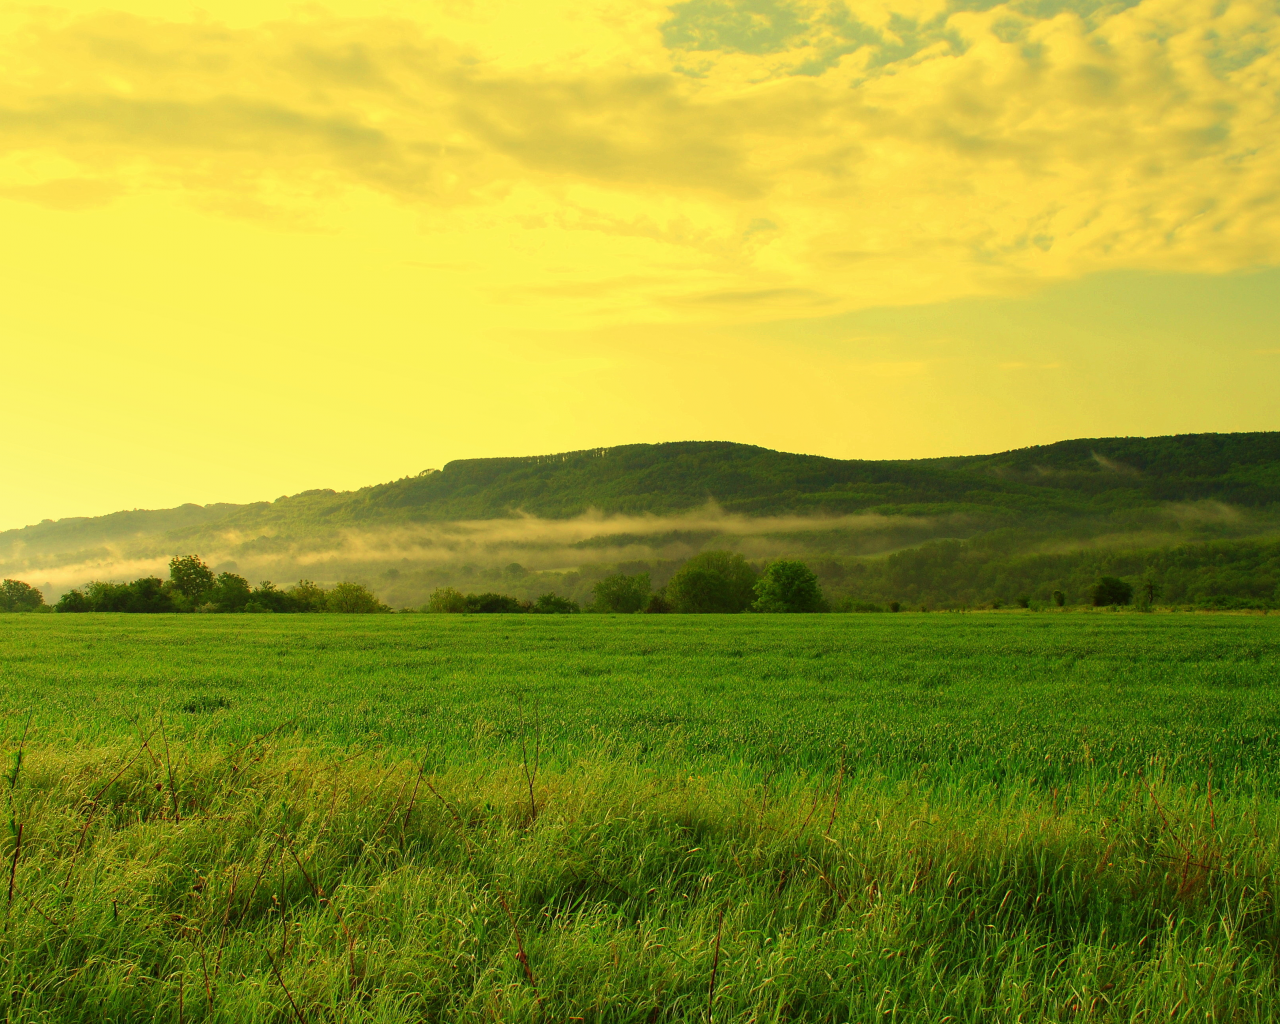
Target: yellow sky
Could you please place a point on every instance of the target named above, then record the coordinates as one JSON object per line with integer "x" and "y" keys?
{"x": 256, "y": 247}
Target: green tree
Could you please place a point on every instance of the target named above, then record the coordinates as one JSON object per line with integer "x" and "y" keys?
{"x": 1111, "y": 590}
{"x": 788, "y": 587}
{"x": 1059, "y": 598}
{"x": 714, "y": 581}
{"x": 446, "y": 599}
{"x": 493, "y": 604}
{"x": 621, "y": 593}
{"x": 308, "y": 597}
{"x": 16, "y": 596}
{"x": 229, "y": 593}
{"x": 191, "y": 578}
{"x": 352, "y": 598}
{"x": 552, "y": 604}
{"x": 73, "y": 600}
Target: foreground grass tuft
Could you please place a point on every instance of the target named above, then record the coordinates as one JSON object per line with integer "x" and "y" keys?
{"x": 269, "y": 883}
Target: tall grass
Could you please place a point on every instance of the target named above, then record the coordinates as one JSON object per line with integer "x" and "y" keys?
{"x": 973, "y": 850}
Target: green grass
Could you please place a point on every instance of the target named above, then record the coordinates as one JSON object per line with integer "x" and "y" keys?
{"x": 899, "y": 818}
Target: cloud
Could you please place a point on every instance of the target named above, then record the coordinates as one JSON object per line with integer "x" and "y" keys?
{"x": 849, "y": 153}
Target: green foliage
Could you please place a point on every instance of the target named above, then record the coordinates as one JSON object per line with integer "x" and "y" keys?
{"x": 550, "y": 604}
{"x": 190, "y": 577}
{"x": 1109, "y": 590}
{"x": 493, "y": 604}
{"x": 446, "y": 599}
{"x": 1059, "y": 599}
{"x": 16, "y": 596}
{"x": 787, "y": 586}
{"x": 714, "y": 581}
{"x": 622, "y": 593}
{"x": 352, "y": 598}
{"x": 910, "y": 816}
{"x": 229, "y": 593}
{"x": 308, "y": 597}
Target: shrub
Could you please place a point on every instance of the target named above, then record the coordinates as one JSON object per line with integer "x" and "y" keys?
{"x": 658, "y": 604}
{"x": 73, "y": 601}
{"x": 266, "y": 597}
{"x": 445, "y": 599}
{"x": 308, "y": 597}
{"x": 16, "y": 596}
{"x": 714, "y": 581}
{"x": 788, "y": 587}
{"x": 1111, "y": 590}
{"x": 1059, "y": 598}
{"x": 491, "y": 604}
{"x": 352, "y": 599}
{"x": 229, "y": 593}
{"x": 620, "y": 593}
{"x": 551, "y": 604}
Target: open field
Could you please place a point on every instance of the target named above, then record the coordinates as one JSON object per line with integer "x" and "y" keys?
{"x": 827, "y": 818}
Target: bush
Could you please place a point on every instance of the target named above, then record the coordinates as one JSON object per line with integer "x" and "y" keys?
{"x": 619, "y": 593}
{"x": 658, "y": 604}
{"x": 353, "y": 599}
{"x": 266, "y": 597}
{"x": 73, "y": 601}
{"x": 788, "y": 587}
{"x": 550, "y": 604}
{"x": 229, "y": 593}
{"x": 714, "y": 581}
{"x": 491, "y": 604}
{"x": 1059, "y": 598}
{"x": 16, "y": 596}
{"x": 308, "y": 597}
{"x": 1110, "y": 590}
{"x": 445, "y": 599}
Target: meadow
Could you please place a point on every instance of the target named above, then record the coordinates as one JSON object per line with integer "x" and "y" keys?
{"x": 914, "y": 817}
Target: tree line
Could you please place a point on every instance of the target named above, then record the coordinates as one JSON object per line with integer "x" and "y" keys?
{"x": 714, "y": 581}
{"x": 193, "y": 587}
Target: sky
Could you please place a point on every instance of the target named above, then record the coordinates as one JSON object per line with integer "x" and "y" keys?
{"x": 254, "y": 248}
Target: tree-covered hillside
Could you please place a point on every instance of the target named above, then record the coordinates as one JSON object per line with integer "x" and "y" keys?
{"x": 1103, "y": 493}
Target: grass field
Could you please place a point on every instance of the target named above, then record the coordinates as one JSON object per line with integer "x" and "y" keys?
{"x": 990, "y": 817}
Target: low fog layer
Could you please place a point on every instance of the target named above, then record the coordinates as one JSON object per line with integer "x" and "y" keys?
{"x": 527, "y": 556}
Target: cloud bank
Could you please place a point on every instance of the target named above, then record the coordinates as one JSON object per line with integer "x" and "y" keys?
{"x": 733, "y": 157}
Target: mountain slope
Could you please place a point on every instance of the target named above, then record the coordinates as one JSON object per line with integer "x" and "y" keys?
{"x": 1160, "y": 491}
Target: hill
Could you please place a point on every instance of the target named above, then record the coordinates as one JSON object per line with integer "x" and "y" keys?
{"x": 663, "y": 501}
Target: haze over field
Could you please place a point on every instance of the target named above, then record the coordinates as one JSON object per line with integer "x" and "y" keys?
{"x": 256, "y": 247}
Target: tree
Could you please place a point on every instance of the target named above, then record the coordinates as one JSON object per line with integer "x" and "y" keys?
{"x": 446, "y": 599}
{"x": 658, "y": 604}
{"x": 788, "y": 587}
{"x": 352, "y": 598}
{"x": 1111, "y": 590}
{"x": 493, "y": 604}
{"x": 191, "y": 578}
{"x": 308, "y": 597}
{"x": 1059, "y": 598}
{"x": 73, "y": 601}
{"x": 16, "y": 596}
{"x": 621, "y": 593}
{"x": 552, "y": 604}
{"x": 267, "y": 597}
{"x": 230, "y": 593}
{"x": 714, "y": 581}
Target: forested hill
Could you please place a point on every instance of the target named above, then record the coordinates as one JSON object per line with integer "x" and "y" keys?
{"x": 1089, "y": 477}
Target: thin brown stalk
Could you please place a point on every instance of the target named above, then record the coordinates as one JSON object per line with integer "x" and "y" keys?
{"x": 521, "y": 956}
{"x": 715, "y": 966}
{"x": 13, "y": 864}
{"x": 168, "y": 767}
{"x": 404, "y": 825}
{"x": 280, "y": 981}
{"x": 835, "y": 804}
